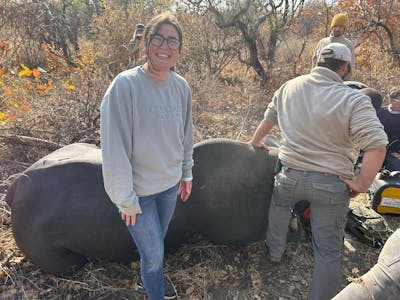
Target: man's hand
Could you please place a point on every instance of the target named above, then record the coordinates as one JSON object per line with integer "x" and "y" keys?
{"x": 259, "y": 145}
{"x": 371, "y": 164}
{"x": 184, "y": 190}
{"x": 354, "y": 186}
{"x": 262, "y": 130}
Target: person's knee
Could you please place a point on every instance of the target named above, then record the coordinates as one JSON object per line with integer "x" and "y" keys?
{"x": 392, "y": 163}
{"x": 328, "y": 254}
{"x": 394, "y": 166}
{"x": 154, "y": 263}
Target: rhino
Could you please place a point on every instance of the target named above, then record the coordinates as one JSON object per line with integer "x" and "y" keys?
{"x": 61, "y": 216}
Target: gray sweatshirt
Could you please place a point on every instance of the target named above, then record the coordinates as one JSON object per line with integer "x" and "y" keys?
{"x": 146, "y": 136}
{"x": 321, "y": 122}
{"x": 332, "y": 39}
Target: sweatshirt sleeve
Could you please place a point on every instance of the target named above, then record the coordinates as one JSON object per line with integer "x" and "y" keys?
{"x": 116, "y": 127}
{"x": 350, "y": 45}
{"x": 270, "y": 113}
{"x": 315, "y": 55}
{"x": 365, "y": 128}
{"x": 188, "y": 140}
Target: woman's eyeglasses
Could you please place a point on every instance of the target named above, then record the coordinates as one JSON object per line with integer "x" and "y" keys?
{"x": 158, "y": 40}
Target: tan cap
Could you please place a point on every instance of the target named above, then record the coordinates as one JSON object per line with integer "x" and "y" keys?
{"x": 336, "y": 51}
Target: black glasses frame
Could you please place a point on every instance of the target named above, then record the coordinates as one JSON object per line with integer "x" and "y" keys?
{"x": 158, "y": 40}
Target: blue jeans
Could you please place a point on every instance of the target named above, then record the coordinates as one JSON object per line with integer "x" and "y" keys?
{"x": 329, "y": 199}
{"x": 148, "y": 234}
{"x": 382, "y": 281}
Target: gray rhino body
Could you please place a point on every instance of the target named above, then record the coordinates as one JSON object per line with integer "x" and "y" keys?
{"x": 62, "y": 217}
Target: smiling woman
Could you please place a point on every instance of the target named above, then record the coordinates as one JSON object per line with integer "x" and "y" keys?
{"x": 147, "y": 148}
{"x": 163, "y": 38}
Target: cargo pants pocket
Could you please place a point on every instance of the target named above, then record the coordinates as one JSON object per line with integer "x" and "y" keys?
{"x": 284, "y": 189}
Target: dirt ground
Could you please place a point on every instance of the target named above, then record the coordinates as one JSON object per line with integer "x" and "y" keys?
{"x": 199, "y": 269}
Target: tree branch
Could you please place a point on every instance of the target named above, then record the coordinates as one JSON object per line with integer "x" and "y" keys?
{"x": 29, "y": 141}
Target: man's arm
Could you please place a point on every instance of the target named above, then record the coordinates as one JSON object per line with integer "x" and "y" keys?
{"x": 371, "y": 164}
{"x": 262, "y": 130}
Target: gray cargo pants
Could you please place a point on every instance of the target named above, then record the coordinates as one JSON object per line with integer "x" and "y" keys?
{"x": 329, "y": 201}
{"x": 382, "y": 281}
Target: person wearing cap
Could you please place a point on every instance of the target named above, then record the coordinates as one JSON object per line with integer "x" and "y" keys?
{"x": 134, "y": 46}
{"x": 375, "y": 96}
{"x": 321, "y": 120}
{"x": 338, "y": 26}
{"x": 390, "y": 119}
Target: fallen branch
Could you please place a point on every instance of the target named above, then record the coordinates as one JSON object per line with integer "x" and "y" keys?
{"x": 29, "y": 141}
{"x": 14, "y": 162}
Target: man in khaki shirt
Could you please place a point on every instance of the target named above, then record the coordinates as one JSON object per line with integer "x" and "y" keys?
{"x": 321, "y": 120}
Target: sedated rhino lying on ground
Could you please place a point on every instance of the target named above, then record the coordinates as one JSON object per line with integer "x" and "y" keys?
{"x": 62, "y": 217}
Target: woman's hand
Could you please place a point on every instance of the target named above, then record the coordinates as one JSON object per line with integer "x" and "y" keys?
{"x": 128, "y": 219}
{"x": 185, "y": 188}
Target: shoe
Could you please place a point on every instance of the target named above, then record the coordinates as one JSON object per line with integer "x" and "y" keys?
{"x": 169, "y": 288}
{"x": 293, "y": 224}
{"x": 139, "y": 287}
{"x": 271, "y": 258}
{"x": 274, "y": 259}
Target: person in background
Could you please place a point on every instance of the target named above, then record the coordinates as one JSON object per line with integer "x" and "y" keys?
{"x": 134, "y": 46}
{"x": 338, "y": 26}
{"x": 382, "y": 281}
{"x": 375, "y": 96}
{"x": 147, "y": 147}
{"x": 390, "y": 119}
{"x": 376, "y": 101}
{"x": 320, "y": 120}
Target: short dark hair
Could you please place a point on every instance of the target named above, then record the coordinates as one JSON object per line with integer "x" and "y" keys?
{"x": 376, "y": 97}
{"x": 156, "y": 22}
{"x": 331, "y": 63}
